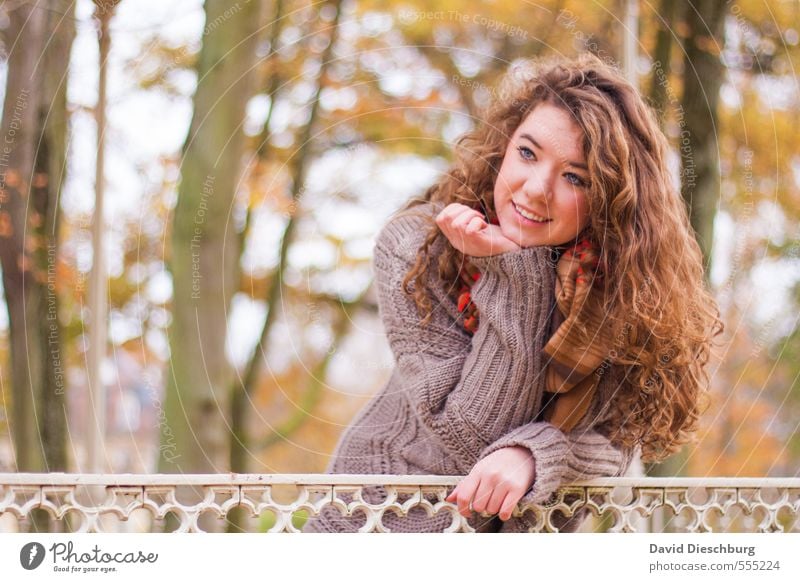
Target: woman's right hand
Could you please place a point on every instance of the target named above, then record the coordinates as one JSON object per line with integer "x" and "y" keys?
{"x": 467, "y": 231}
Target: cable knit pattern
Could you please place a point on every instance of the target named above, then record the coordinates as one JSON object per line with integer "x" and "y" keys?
{"x": 454, "y": 398}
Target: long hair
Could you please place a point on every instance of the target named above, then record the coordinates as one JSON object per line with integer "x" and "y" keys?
{"x": 662, "y": 316}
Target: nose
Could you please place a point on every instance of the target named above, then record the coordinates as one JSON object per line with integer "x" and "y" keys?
{"x": 540, "y": 182}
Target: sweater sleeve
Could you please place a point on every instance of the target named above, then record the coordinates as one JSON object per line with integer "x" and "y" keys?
{"x": 560, "y": 458}
{"x": 468, "y": 391}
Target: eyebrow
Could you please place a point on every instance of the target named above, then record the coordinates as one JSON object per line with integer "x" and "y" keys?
{"x": 573, "y": 164}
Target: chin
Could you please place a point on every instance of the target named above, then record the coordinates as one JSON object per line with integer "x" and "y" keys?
{"x": 520, "y": 237}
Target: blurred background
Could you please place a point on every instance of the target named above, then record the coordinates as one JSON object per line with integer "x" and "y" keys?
{"x": 189, "y": 194}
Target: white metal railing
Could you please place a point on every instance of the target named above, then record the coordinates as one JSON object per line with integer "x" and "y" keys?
{"x": 276, "y": 503}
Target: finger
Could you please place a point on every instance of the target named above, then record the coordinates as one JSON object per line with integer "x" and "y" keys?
{"x": 482, "y": 241}
{"x": 465, "y": 497}
{"x": 461, "y": 221}
{"x": 507, "y": 508}
{"x": 445, "y": 219}
{"x": 450, "y": 212}
{"x": 475, "y": 225}
{"x": 455, "y": 496}
{"x": 496, "y": 500}
{"x": 482, "y": 496}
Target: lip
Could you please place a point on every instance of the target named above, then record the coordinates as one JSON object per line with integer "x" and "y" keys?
{"x": 528, "y": 220}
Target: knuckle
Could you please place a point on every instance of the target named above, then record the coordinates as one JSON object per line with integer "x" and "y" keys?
{"x": 496, "y": 476}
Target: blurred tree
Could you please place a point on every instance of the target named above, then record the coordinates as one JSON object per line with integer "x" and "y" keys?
{"x": 242, "y": 392}
{"x": 205, "y": 249}
{"x": 759, "y": 119}
{"x": 32, "y": 164}
{"x": 668, "y": 15}
{"x": 98, "y": 290}
{"x": 703, "y": 73}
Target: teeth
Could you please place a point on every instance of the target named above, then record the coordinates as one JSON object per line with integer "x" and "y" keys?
{"x": 530, "y": 216}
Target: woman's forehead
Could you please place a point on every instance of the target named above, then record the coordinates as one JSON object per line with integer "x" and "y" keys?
{"x": 553, "y": 130}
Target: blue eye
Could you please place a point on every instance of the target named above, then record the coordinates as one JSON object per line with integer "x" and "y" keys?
{"x": 575, "y": 180}
{"x": 522, "y": 150}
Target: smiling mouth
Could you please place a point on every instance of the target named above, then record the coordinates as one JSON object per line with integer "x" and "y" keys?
{"x": 529, "y": 215}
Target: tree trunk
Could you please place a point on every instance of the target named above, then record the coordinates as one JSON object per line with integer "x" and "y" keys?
{"x": 703, "y": 73}
{"x": 205, "y": 250}
{"x": 668, "y": 13}
{"x": 32, "y": 164}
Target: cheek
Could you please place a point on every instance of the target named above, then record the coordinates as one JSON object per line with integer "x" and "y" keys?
{"x": 502, "y": 184}
{"x": 509, "y": 174}
{"x": 580, "y": 209}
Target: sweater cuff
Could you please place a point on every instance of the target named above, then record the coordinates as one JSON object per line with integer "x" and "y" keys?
{"x": 515, "y": 264}
{"x": 549, "y": 447}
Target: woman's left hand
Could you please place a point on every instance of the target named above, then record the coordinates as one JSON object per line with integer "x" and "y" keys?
{"x": 468, "y": 232}
{"x": 496, "y": 483}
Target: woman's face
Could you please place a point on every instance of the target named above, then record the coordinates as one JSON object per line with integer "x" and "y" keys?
{"x": 543, "y": 174}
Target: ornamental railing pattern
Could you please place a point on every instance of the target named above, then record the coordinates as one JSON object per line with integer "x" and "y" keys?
{"x": 282, "y": 503}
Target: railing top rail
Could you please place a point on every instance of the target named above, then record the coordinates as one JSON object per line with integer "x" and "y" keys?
{"x": 234, "y": 479}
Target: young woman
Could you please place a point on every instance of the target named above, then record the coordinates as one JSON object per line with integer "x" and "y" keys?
{"x": 545, "y": 304}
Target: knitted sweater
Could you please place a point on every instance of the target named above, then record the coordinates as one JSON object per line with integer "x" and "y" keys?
{"x": 453, "y": 398}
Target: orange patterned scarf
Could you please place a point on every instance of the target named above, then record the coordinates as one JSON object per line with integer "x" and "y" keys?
{"x": 580, "y": 342}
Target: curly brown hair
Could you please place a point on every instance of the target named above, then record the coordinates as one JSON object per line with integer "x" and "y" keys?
{"x": 663, "y": 335}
